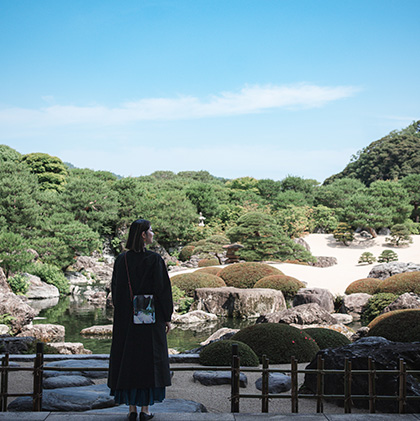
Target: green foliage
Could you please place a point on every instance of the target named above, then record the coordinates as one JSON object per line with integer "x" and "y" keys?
{"x": 19, "y": 284}
{"x": 219, "y": 353}
{"x": 411, "y": 184}
{"x": 245, "y": 275}
{"x": 203, "y": 196}
{"x": 367, "y": 257}
{"x": 14, "y": 254}
{"x": 401, "y": 283}
{"x": 365, "y": 285}
{"x": 51, "y": 275}
{"x": 400, "y": 235}
{"x": 9, "y": 154}
{"x": 343, "y": 233}
{"x": 388, "y": 256}
{"x": 327, "y": 338}
{"x": 181, "y": 301}
{"x": 186, "y": 253}
{"x": 392, "y": 157}
{"x": 324, "y": 219}
{"x": 279, "y": 342}
{"x": 212, "y": 246}
{"x": 6, "y": 319}
{"x": 295, "y": 221}
{"x": 189, "y": 282}
{"x": 263, "y": 239}
{"x": 243, "y": 183}
{"x": 288, "y": 285}
{"x": 212, "y": 270}
{"x": 207, "y": 262}
{"x": 397, "y": 326}
{"x": 376, "y": 305}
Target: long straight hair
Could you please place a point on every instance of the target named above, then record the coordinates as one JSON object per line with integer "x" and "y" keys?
{"x": 135, "y": 240}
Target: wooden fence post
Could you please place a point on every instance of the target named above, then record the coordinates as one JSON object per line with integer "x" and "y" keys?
{"x": 235, "y": 373}
{"x": 320, "y": 385}
{"x": 402, "y": 386}
{"x": 38, "y": 365}
{"x": 4, "y": 382}
{"x": 264, "y": 386}
{"x": 347, "y": 386}
{"x": 372, "y": 385}
{"x": 294, "y": 392}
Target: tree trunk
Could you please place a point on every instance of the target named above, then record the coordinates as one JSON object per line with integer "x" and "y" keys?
{"x": 372, "y": 232}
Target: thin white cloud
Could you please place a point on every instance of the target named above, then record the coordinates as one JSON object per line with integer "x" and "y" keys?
{"x": 249, "y": 100}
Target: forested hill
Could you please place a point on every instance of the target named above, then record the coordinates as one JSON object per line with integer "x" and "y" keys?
{"x": 390, "y": 158}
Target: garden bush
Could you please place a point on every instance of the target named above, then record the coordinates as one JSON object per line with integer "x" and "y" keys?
{"x": 220, "y": 354}
{"x": 51, "y": 275}
{"x": 211, "y": 270}
{"x": 327, "y": 338}
{"x": 288, "y": 285}
{"x": 188, "y": 282}
{"x": 19, "y": 284}
{"x": 375, "y": 306}
{"x": 401, "y": 283}
{"x": 365, "y": 285}
{"x": 398, "y": 325}
{"x": 207, "y": 262}
{"x": 279, "y": 342}
{"x": 388, "y": 256}
{"x": 367, "y": 257}
{"x": 245, "y": 275}
{"x": 186, "y": 253}
{"x": 182, "y": 303}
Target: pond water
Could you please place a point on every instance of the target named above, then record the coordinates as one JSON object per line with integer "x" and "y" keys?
{"x": 77, "y": 315}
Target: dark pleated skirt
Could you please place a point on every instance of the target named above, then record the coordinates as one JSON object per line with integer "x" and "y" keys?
{"x": 139, "y": 397}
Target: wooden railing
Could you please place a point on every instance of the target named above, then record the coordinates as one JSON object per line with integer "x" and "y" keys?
{"x": 235, "y": 396}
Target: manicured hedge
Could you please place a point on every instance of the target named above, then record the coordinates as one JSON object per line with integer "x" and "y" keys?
{"x": 401, "y": 283}
{"x": 220, "y": 354}
{"x": 288, "y": 285}
{"x": 327, "y": 338}
{"x": 365, "y": 285}
{"x": 188, "y": 282}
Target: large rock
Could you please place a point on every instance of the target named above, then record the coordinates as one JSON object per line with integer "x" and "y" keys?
{"x": 320, "y": 296}
{"x": 404, "y": 301}
{"x": 385, "y": 270}
{"x": 95, "y": 297}
{"x": 39, "y": 289}
{"x": 4, "y": 329}
{"x": 77, "y": 278}
{"x": 324, "y": 261}
{"x": 213, "y": 378}
{"x": 70, "y": 348}
{"x": 4, "y": 285}
{"x": 44, "y": 332}
{"x": 43, "y": 303}
{"x": 100, "y": 271}
{"x": 100, "y": 330}
{"x": 78, "y": 364}
{"x": 193, "y": 317}
{"x": 277, "y": 383}
{"x": 386, "y": 356}
{"x": 237, "y": 302}
{"x": 15, "y": 306}
{"x": 354, "y": 304}
{"x": 66, "y": 381}
{"x": 221, "y": 334}
{"x": 305, "y": 314}
{"x": 14, "y": 345}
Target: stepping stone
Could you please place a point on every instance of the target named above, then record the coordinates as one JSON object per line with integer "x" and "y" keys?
{"x": 211, "y": 378}
{"x": 277, "y": 383}
{"x": 77, "y": 364}
{"x": 68, "y": 399}
{"x": 66, "y": 381}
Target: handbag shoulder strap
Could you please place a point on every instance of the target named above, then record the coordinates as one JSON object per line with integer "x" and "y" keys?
{"x": 128, "y": 277}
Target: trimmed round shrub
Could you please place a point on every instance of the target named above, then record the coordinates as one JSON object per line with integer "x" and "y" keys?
{"x": 401, "y": 283}
{"x": 244, "y": 275}
{"x": 207, "y": 262}
{"x": 397, "y": 325}
{"x": 327, "y": 338}
{"x": 375, "y": 306}
{"x": 366, "y": 285}
{"x": 279, "y": 342}
{"x": 188, "y": 282}
{"x": 186, "y": 253}
{"x": 211, "y": 270}
{"x": 288, "y": 285}
{"x": 220, "y": 354}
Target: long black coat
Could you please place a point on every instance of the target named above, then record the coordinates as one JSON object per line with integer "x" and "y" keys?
{"x": 139, "y": 352}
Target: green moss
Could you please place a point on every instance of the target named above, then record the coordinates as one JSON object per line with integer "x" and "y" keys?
{"x": 401, "y": 283}
{"x": 375, "y": 306}
{"x": 220, "y": 354}
{"x": 288, "y": 285}
{"x": 245, "y": 275}
{"x": 279, "y": 342}
{"x": 188, "y": 282}
{"x": 397, "y": 326}
{"x": 327, "y": 338}
{"x": 365, "y": 285}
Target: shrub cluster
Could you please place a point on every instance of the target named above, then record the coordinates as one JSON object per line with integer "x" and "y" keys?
{"x": 220, "y": 354}
{"x": 182, "y": 303}
{"x": 279, "y": 342}
{"x": 212, "y": 270}
{"x": 51, "y": 275}
{"x": 245, "y": 275}
{"x": 327, "y": 338}
{"x": 188, "y": 282}
{"x": 186, "y": 253}
{"x": 365, "y": 285}
{"x": 375, "y": 306}
{"x": 398, "y": 325}
{"x": 207, "y": 262}
{"x": 288, "y": 285}
{"x": 401, "y": 283}
{"x": 19, "y": 284}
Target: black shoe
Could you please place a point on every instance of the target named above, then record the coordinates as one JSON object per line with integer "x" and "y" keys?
{"x": 132, "y": 416}
{"x": 145, "y": 417}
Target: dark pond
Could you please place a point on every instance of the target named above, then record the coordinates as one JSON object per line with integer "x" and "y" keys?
{"x": 77, "y": 315}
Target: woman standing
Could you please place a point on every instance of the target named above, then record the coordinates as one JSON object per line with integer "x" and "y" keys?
{"x": 139, "y": 364}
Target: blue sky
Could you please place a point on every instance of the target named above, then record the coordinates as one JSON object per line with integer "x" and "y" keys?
{"x": 262, "y": 88}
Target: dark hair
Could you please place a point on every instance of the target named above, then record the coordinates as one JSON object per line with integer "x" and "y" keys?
{"x": 135, "y": 240}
